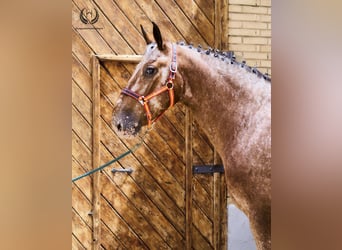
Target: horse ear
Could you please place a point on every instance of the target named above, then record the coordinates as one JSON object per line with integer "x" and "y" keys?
{"x": 147, "y": 39}
{"x": 157, "y": 36}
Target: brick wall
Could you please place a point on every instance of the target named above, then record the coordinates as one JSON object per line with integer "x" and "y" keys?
{"x": 249, "y": 32}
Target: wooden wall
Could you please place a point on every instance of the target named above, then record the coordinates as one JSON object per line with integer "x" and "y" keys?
{"x": 157, "y": 206}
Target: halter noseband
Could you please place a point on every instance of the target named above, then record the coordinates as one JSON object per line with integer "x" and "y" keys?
{"x": 143, "y": 100}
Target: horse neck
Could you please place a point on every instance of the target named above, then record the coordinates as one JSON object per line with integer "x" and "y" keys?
{"x": 220, "y": 95}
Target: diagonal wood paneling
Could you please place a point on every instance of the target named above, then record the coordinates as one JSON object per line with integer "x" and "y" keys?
{"x": 198, "y": 20}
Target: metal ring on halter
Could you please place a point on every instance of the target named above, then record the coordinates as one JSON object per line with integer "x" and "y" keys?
{"x": 169, "y": 85}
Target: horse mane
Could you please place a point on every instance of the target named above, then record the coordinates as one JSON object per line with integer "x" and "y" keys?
{"x": 227, "y": 57}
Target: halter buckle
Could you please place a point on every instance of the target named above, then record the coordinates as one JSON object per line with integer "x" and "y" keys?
{"x": 173, "y": 67}
{"x": 141, "y": 100}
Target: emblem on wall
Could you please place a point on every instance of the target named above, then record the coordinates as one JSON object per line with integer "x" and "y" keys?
{"x": 88, "y": 16}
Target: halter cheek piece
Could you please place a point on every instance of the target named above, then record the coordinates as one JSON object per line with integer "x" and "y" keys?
{"x": 143, "y": 100}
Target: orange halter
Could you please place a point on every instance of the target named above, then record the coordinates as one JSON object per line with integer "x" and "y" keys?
{"x": 143, "y": 100}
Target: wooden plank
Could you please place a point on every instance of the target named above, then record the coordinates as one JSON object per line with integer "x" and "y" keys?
{"x": 130, "y": 33}
{"x": 80, "y": 230}
{"x": 81, "y": 204}
{"x": 176, "y": 117}
{"x": 165, "y": 155}
{"x": 81, "y": 153}
{"x": 154, "y": 12}
{"x": 199, "y": 242}
{"x": 133, "y": 217}
{"x": 81, "y": 102}
{"x": 224, "y": 213}
{"x": 76, "y": 245}
{"x": 202, "y": 145}
{"x": 188, "y": 177}
{"x": 178, "y": 18}
{"x": 202, "y": 149}
{"x": 109, "y": 240}
{"x": 96, "y": 154}
{"x": 82, "y": 77}
{"x": 198, "y": 19}
{"x": 119, "y": 72}
{"x": 81, "y": 50}
{"x": 205, "y": 181}
{"x": 85, "y": 183}
{"x": 221, "y": 24}
{"x": 170, "y": 136}
{"x": 208, "y": 8}
{"x": 81, "y": 127}
{"x": 201, "y": 197}
{"x": 217, "y": 212}
{"x": 203, "y": 154}
{"x": 202, "y": 223}
{"x": 119, "y": 228}
{"x": 218, "y": 28}
{"x": 217, "y": 205}
{"x": 220, "y": 201}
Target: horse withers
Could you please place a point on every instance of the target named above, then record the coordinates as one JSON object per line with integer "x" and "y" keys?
{"x": 230, "y": 101}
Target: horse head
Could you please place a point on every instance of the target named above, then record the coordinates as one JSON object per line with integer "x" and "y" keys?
{"x": 152, "y": 89}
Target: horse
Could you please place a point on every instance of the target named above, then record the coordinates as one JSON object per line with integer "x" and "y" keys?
{"x": 229, "y": 100}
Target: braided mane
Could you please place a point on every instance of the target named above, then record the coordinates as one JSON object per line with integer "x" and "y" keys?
{"x": 228, "y": 57}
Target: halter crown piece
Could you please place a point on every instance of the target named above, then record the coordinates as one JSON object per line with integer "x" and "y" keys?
{"x": 168, "y": 86}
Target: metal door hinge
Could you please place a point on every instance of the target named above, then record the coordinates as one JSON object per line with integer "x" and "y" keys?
{"x": 207, "y": 169}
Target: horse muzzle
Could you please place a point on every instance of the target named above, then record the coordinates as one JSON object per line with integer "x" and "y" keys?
{"x": 126, "y": 125}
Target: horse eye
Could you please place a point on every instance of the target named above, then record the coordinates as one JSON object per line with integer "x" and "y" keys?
{"x": 150, "y": 71}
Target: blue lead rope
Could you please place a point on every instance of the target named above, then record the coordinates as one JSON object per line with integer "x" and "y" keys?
{"x": 108, "y": 163}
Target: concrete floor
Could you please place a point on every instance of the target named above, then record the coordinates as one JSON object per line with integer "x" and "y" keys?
{"x": 239, "y": 232}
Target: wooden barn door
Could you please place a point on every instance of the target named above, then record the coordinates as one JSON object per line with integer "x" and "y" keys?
{"x": 162, "y": 203}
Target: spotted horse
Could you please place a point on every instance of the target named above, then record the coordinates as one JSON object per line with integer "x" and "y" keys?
{"x": 229, "y": 100}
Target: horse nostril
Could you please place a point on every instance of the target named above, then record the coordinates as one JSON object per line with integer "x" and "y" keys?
{"x": 119, "y": 127}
